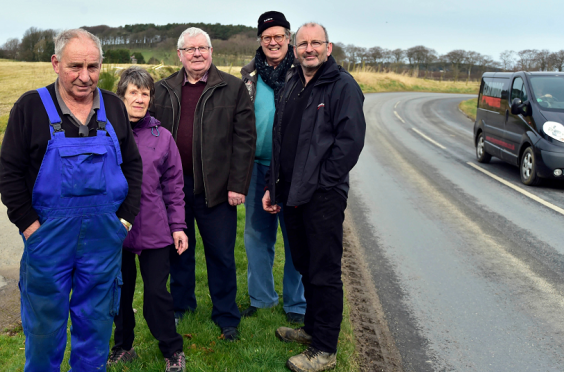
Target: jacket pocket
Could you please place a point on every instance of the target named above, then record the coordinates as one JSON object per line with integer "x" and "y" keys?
{"x": 82, "y": 171}
{"x": 116, "y": 295}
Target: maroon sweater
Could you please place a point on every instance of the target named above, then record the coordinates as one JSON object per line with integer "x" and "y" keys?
{"x": 184, "y": 140}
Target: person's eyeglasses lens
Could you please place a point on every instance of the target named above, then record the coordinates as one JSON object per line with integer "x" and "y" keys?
{"x": 268, "y": 39}
{"x": 314, "y": 45}
{"x": 202, "y": 50}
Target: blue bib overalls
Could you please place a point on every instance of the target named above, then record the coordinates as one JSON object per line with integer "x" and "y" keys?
{"x": 78, "y": 190}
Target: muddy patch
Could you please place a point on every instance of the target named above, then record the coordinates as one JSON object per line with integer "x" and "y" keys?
{"x": 375, "y": 345}
{"x": 10, "y": 306}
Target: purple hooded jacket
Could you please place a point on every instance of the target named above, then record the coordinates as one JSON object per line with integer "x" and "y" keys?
{"x": 162, "y": 195}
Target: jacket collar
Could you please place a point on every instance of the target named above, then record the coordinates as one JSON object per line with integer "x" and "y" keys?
{"x": 248, "y": 71}
{"x": 330, "y": 72}
{"x": 147, "y": 122}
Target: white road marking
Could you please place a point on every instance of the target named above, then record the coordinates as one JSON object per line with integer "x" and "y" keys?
{"x": 399, "y": 117}
{"x": 397, "y": 103}
{"x": 518, "y": 189}
{"x": 429, "y": 139}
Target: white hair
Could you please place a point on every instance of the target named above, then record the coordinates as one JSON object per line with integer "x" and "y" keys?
{"x": 63, "y": 38}
{"x": 191, "y": 32}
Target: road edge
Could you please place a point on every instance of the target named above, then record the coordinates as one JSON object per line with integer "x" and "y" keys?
{"x": 376, "y": 348}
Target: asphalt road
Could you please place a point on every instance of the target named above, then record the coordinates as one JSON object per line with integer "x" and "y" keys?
{"x": 469, "y": 271}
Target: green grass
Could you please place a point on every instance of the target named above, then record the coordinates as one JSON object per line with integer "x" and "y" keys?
{"x": 469, "y": 107}
{"x": 257, "y": 350}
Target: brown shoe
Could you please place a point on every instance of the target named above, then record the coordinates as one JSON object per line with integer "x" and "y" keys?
{"x": 293, "y": 335}
{"x": 312, "y": 360}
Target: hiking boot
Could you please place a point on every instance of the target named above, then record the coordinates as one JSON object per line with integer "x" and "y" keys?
{"x": 176, "y": 363}
{"x": 293, "y": 335}
{"x": 120, "y": 355}
{"x": 230, "y": 333}
{"x": 312, "y": 360}
{"x": 295, "y": 318}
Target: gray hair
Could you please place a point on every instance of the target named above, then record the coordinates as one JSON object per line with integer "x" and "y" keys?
{"x": 63, "y": 38}
{"x": 287, "y": 32}
{"x": 191, "y": 32}
{"x": 311, "y": 24}
{"x": 137, "y": 76}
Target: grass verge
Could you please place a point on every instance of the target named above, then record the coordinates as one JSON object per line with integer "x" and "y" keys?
{"x": 257, "y": 350}
{"x": 374, "y": 82}
{"x": 469, "y": 107}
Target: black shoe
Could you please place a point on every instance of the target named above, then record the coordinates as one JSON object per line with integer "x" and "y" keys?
{"x": 295, "y": 318}
{"x": 230, "y": 333}
{"x": 250, "y": 311}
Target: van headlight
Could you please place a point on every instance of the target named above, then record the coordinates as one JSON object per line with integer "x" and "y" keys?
{"x": 554, "y": 130}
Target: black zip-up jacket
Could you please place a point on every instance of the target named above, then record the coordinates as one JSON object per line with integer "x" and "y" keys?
{"x": 331, "y": 135}
{"x": 25, "y": 143}
{"x": 224, "y": 132}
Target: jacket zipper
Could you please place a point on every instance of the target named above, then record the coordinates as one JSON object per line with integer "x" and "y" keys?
{"x": 202, "y": 137}
{"x": 174, "y": 124}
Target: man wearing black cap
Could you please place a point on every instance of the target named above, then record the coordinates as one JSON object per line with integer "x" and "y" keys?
{"x": 317, "y": 138}
{"x": 264, "y": 77}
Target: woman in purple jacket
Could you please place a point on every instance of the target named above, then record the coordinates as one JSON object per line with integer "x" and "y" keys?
{"x": 158, "y": 228}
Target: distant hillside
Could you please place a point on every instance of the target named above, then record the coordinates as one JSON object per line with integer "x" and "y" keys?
{"x": 149, "y": 34}
{"x": 233, "y": 44}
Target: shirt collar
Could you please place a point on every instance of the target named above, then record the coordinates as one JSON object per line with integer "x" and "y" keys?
{"x": 204, "y": 78}
{"x": 65, "y": 109}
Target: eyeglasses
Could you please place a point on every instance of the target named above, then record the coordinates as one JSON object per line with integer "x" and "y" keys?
{"x": 314, "y": 44}
{"x": 268, "y": 38}
{"x": 202, "y": 50}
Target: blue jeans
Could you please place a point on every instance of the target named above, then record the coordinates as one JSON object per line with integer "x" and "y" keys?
{"x": 260, "y": 236}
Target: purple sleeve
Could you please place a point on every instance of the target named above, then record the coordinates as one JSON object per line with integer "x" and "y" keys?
{"x": 172, "y": 182}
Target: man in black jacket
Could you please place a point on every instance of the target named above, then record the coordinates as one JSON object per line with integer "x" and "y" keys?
{"x": 211, "y": 117}
{"x": 318, "y": 136}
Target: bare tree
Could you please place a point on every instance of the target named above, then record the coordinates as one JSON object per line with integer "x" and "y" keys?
{"x": 527, "y": 59}
{"x": 455, "y": 58}
{"x": 558, "y": 60}
{"x": 472, "y": 58}
{"x": 375, "y": 55}
{"x": 507, "y": 59}
{"x": 542, "y": 60}
{"x": 10, "y": 48}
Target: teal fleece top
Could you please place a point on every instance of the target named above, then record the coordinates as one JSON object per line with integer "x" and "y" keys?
{"x": 264, "y": 114}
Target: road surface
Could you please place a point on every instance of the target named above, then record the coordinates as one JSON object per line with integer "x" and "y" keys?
{"x": 467, "y": 261}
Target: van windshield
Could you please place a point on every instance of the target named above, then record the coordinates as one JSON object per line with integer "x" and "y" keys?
{"x": 549, "y": 91}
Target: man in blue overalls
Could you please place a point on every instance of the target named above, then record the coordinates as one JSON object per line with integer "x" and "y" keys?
{"x": 71, "y": 180}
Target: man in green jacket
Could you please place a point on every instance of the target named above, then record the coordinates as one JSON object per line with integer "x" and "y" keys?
{"x": 211, "y": 117}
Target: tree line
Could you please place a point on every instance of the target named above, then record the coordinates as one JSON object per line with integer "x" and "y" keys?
{"x": 236, "y": 44}
{"x": 425, "y": 62}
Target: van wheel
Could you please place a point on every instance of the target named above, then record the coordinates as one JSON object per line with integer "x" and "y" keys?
{"x": 481, "y": 154}
{"x": 529, "y": 168}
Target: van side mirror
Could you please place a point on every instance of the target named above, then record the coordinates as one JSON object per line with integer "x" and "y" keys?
{"x": 518, "y": 107}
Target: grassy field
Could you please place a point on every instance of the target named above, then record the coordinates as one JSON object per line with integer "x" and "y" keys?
{"x": 257, "y": 350}
{"x": 469, "y": 107}
{"x": 373, "y": 82}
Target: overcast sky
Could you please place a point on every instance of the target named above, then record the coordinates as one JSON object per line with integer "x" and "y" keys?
{"x": 485, "y": 26}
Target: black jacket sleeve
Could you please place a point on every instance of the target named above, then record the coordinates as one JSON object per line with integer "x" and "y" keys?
{"x": 244, "y": 143}
{"x": 132, "y": 166}
{"x": 349, "y": 128}
{"x": 15, "y": 162}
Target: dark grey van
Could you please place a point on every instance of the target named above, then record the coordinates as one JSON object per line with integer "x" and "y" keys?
{"x": 520, "y": 119}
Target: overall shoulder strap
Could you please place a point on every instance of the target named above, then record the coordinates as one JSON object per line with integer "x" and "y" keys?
{"x": 104, "y": 124}
{"x": 54, "y": 118}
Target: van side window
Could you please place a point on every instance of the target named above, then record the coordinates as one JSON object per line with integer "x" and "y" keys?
{"x": 518, "y": 90}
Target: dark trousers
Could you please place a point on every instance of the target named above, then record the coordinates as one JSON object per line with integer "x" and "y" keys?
{"x": 218, "y": 228}
{"x": 157, "y": 302}
{"x": 315, "y": 233}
